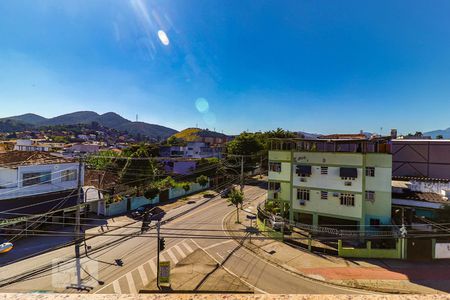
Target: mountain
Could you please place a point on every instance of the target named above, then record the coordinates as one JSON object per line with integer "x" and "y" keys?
{"x": 193, "y": 134}
{"x": 110, "y": 120}
{"x": 27, "y": 119}
{"x": 444, "y": 132}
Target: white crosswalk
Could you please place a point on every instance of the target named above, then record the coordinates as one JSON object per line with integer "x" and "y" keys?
{"x": 136, "y": 279}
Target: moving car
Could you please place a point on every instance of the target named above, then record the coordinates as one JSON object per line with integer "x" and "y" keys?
{"x": 6, "y": 247}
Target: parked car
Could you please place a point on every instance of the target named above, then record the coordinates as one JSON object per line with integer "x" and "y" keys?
{"x": 224, "y": 193}
{"x": 138, "y": 212}
{"x": 276, "y": 222}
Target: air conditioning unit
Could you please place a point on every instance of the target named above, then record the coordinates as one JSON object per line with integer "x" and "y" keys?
{"x": 303, "y": 179}
{"x": 348, "y": 183}
{"x": 302, "y": 202}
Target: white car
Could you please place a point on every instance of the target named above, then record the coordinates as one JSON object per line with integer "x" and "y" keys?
{"x": 276, "y": 222}
{"x": 6, "y": 247}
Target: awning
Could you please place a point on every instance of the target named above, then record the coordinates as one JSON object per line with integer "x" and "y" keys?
{"x": 348, "y": 172}
{"x": 303, "y": 170}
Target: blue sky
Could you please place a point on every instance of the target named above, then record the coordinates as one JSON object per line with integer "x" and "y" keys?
{"x": 315, "y": 66}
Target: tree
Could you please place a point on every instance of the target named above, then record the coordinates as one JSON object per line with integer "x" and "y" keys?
{"x": 236, "y": 198}
{"x": 439, "y": 137}
{"x": 245, "y": 144}
{"x": 186, "y": 187}
{"x": 202, "y": 180}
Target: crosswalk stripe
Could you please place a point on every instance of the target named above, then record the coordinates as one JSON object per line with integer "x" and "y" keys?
{"x": 152, "y": 264}
{"x": 187, "y": 247}
{"x": 144, "y": 277}
{"x": 116, "y": 287}
{"x": 130, "y": 282}
{"x": 180, "y": 251}
{"x": 172, "y": 256}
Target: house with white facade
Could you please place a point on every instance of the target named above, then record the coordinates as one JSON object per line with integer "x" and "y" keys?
{"x": 36, "y": 182}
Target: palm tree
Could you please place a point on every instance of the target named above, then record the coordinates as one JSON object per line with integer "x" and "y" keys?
{"x": 236, "y": 198}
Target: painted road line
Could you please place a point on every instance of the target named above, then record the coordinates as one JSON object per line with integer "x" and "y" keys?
{"x": 217, "y": 244}
{"x": 185, "y": 244}
{"x": 221, "y": 257}
{"x": 144, "y": 277}
{"x": 131, "y": 285}
{"x": 152, "y": 264}
{"x": 172, "y": 256}
{"x": 116, "y": 287}
{"x": 180, "y": 251}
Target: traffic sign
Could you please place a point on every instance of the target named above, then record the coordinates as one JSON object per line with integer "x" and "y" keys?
{"x": 164, "y": 273}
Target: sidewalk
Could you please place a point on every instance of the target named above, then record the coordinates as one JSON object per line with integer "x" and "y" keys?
{"x": 393, "y": 276}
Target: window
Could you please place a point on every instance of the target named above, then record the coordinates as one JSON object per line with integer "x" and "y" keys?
{"x": 370, "y": 171}
{"x": 274, "y": 186}
{"x": 302, "y": 194}
{"x": 36, "y": 178}
{"x": 374, "y": 222}
{"x": 347, "y": 199}
{"x": 323, "y": 170}
{"x": 370, "y": 195}
{"x": 275, "y": 167}
{"x": 303, "y": 170}
{"x": 323, "y": 195}
{"x": 69, "y": 175}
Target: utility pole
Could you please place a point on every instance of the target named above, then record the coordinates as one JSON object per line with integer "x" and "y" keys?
{"x": 78, "y": 286}
{"x": 158, "y": 225}
{"x": 242, "y": 173}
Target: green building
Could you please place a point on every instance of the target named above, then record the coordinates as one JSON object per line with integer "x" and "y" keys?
{"x": 338, "y": 182}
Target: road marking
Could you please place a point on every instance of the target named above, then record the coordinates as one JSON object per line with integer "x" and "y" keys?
{"x": 180, "y": 251}
{"x": 217, "y": 244}
{"x": 229, "y": 271}
{"x": 221, "y": 257}
{"x": 116, "y": 287}
{"x": 172, "y": 256}
{"x": 185, "y": 244}
{"x": 144, "y": 277}
{"x": 130, "y": 282}
{"x": 152, "y": 264}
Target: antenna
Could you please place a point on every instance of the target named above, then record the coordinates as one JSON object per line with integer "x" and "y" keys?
{"x": 137, "y": 117}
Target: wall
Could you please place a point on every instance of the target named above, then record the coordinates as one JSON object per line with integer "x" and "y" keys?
{"x": 141, "y": 201}
{"x": 368, "y": 252}
{"x": 331, "y": 206}
{"x": 284, "y": 175}
{"x": 179, "y": 192}
{"x": 442, "y": 250}
{"x": 421, "y": 158}
{"x": 8, "y": 178}
{"x": 116, "y": 208}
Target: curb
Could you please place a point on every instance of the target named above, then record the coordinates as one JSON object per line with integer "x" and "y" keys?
{"x": 363, "y": 288}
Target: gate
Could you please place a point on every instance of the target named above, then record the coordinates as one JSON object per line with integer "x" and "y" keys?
{"x": 419, "y": 249}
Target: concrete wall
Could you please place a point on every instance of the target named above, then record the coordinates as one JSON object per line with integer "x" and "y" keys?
{"x": 368, "y": 252}
{"x": 421, "y": 158}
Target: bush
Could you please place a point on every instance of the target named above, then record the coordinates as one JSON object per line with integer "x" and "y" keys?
{"x": 202, "y": 180}
{"x": 151, "y": 192}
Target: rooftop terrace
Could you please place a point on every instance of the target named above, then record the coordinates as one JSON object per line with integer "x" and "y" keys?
{"x": 378, "y": 145}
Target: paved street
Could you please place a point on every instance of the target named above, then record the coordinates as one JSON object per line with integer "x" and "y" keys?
{"x": 199, "y": 228}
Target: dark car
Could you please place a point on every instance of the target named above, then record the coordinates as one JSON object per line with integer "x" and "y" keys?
{"x": 225, "y": 193}
{"x": 138, "y": 212}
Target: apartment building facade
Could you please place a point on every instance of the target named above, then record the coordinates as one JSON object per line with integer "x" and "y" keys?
{"x": 332, "y": 182}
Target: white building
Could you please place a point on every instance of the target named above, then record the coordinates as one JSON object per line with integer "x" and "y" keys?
{"x": 30, "y": 145}
{"x": 37, "y": 179}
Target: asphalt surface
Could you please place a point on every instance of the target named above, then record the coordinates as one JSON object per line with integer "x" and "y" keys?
{"x": 200, "y": 227}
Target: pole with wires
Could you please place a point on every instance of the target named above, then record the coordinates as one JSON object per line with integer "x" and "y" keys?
{"x": 79, "y": 286}
{"x": 242, "y": 173}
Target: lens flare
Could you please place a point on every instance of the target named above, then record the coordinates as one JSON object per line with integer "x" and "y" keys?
{"x": 163, "y": 38}
{"x": 202, "y": 105}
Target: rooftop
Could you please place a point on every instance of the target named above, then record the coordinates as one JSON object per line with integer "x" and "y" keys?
{"x": 14, "y": 159}
{"x": 359, "y": 145}
{"x": 420, "y": 196}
